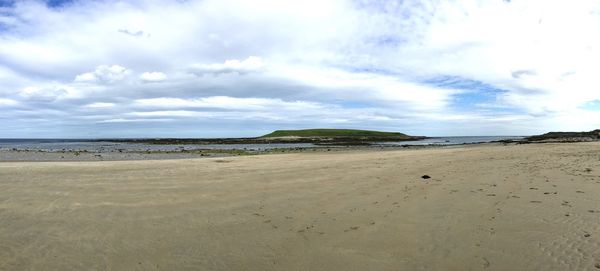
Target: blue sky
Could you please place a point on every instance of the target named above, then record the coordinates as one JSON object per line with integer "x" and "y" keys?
{"x": 226, "y": 68}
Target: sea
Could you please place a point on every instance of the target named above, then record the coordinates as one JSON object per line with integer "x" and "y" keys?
{"x": 108, "y": 146}
{"x": 454, "y": 140}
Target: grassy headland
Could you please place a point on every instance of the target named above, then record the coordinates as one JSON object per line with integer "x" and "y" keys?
{"x": 315, "y": 136}
{"x": 335, "y": 136}
{"x": 566, "y": 137}
{"x": 333, "y": 133}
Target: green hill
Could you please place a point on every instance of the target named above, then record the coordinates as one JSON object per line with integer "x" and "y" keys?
{"x": 334, "y": 133}
{"x": 567, "y": 136}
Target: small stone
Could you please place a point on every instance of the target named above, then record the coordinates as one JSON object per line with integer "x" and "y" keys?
{"x": 587, "y": 235}
{"x": 426, "y": 177}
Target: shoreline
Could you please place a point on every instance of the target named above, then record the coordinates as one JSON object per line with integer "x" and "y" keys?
{"x": 35, "y": 155}
{"x": 8, "y": 154}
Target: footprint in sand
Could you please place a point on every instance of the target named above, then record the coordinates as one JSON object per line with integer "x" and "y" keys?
{"x": 486, "y": 263}
{"x": 352, "y": 229}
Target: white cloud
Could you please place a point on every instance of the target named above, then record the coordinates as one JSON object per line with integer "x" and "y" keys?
{"x": 7, "y": 102}
{"x": 169, "y": 113}
{"x": 48, "y": 93}
{"x": 363, "y": 63}
{"x": 225, "y": 102}
{"x": 250, "y": 64}
{"x": 545, "y": 61}
{"x": 104, "y": 74}
{"x": 370, "y": 86}
{"x": 254, "y": 109}
{"x": 122, "y": 120}
{"x": 99, "y": 105}
{"x": 153, "y": 76}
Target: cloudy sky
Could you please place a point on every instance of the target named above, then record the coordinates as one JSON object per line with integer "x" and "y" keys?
{"x": 213, "y": 68}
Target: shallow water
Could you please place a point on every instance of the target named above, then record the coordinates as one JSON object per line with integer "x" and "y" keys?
{"x": 454, "y": 140}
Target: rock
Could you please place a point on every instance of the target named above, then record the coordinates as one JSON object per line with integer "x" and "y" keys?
{"x": 425, "y": 177}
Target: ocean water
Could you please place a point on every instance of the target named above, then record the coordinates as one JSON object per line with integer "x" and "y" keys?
{"x": 106, "y": 146}
{"x": 454, "y": 140}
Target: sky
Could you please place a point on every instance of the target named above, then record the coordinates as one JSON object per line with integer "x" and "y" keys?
{"x": 236, "y": 68}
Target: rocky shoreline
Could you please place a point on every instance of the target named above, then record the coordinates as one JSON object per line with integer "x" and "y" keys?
{"x": 16, "y": 154}
{"x": 563, "y": 137}
{"x": 319, "y": 144}
{"x": 349, "y": 140}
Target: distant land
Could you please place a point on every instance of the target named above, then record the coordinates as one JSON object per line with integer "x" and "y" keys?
{"x": 336, "y": 133}
{"x": 326, "y": 136}
{"x": 565, "y": 137}
{"x": 315, "y": 136}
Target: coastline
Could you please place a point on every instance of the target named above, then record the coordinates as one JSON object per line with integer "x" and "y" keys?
{"x": 69, "y": 155}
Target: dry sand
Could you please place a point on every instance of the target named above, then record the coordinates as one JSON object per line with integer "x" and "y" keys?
{"x": 520, "y": 207}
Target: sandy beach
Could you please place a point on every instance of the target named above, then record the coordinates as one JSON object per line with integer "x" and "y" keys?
{"x": 516, "y": 207}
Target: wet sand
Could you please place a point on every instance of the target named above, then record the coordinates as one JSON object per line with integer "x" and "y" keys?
{"x": 517, "y": 207}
